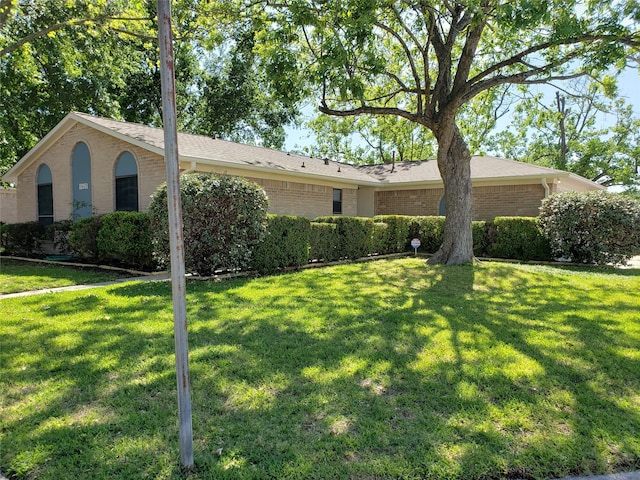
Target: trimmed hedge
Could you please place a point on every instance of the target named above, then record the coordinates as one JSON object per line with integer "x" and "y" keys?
{"x": 355, "y": 235}
{"x": 592, "y": 227}
{"x": 126, "y": 237}
{"x": 379, "y": 239}
{"x": 479, "y": 234}
{"x": 59, "y": 233}
{"x": 324, "y": 242}
{"x": 84, "y": 237}
{"x": 519, "y": 238}
{"x": 396, "y": 237}
{"x": 429, "y": 229}
{"x": 286, "y": 244}
{"x": 22, "y": 239}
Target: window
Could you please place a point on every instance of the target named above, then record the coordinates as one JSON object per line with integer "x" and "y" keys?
{"x": 337, "y": 201}
{"x": 442, "y": 211}
{"x": 45, "y": 195}
{"x": 126, "y": 183}
{"x": 81, "y": 181}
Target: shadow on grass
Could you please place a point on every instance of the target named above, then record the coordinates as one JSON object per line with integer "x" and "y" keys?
{"x": 358, "y": 372}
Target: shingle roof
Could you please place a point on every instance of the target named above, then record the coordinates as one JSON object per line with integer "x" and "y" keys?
{"x": 482, "y": 168}
{"x": 208, "y": 150}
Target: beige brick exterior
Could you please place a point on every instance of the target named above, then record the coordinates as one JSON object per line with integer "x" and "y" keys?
{"x": 285, "y": 197}
{"x": 8, "y": 205}
{"x": 104, "y": 150}
{"x": 488, "y": 201}
{"x": 507, "y": 200}
{"x": 500, "y": 187}
{"x": 304, "y": 199}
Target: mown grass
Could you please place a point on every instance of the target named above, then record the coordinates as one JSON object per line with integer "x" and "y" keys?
{"x": 390, "y": 369}
{"x": 17, "y": 276}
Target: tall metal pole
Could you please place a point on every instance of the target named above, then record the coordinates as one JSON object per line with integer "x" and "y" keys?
{"x": 176, "y": 243}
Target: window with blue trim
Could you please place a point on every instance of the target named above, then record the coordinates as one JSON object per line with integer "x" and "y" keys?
{"x": 45, "y": 195}
{"x": 126, "y": 187}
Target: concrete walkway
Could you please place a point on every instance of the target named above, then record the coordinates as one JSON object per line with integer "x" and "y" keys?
{"x": 147, "y": 278}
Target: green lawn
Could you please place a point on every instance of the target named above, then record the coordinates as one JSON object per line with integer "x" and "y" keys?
{"x": 388, "y": 369}
{"x": 17, "y": 276}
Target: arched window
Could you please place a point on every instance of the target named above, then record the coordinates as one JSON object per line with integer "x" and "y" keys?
{"x": 441, "y": 207}
{"x": 126, "y": 183}
{"x": 45, "y": 195}
{"x": 81, "y": 179}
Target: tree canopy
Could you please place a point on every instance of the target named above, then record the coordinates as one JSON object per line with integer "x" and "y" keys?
{"x": 102, "y": 57}
{"x": 585, "y": 129}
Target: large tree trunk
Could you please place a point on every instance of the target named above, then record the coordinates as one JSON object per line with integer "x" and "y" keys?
{"x": 454, "y": 164}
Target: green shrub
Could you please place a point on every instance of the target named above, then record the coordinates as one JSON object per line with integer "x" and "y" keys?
{"x": 519, "y": 238}
{"x": 355, "y": 235}
{"x": 22, "y": 239}
{"x": 479, "y": 233}
{"x": 430, "y": 230}
{"x": 324, "y": 242}
{"x": 126, "y": 237}
{"x": 380, "y": 240}
{"x": 286, "y": 244}
{"x": 224, "y": 219}
{"x": 84, "y": 237}
{"x": 592, "y": 227}
{"x": 397, "y": 234}
{"x": 59, "y": 233}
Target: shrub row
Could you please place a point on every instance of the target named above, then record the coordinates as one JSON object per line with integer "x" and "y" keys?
{"x": 118, "y": 237}
{"x": 290, "y": 241}
{"x": 589, "y": 228}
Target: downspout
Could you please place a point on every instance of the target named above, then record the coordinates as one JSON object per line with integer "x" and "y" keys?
{"x": 191, "y": 169}
{"x": 546, "y": 188}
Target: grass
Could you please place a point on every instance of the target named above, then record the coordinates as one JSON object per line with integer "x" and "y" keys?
{"x": 17, "y": 276}
{"x": 390, "y": 369}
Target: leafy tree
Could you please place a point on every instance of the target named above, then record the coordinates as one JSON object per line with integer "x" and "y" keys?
{"x": 425, "y": 60}
{"x": 566, "y": 132}
{"x": 101, "y": 57}
{"x": 61, "y": 56}
{"x": 235, "y": 100}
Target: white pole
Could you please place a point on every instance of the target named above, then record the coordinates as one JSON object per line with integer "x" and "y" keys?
{"x": 176, "y": 243}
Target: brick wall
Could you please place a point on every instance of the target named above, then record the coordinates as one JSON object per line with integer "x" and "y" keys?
{"x": 507, "y": 200}
{"x": 488, "y": 201}
{"x": 291, "y": 198}
{"x": 408, "y": 202}
{"x": 304, "y": 199}
{"x": 8, "y": 207}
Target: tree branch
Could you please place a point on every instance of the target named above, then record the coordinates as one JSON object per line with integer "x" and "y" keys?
{"x": 365, "y": 109}
{"x": 59, "y": 26}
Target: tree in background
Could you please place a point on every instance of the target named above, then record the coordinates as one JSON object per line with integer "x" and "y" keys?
{"x": 424, "y": 61}
{"x": 586, "y": 129}
{"x": 102, "y": 57}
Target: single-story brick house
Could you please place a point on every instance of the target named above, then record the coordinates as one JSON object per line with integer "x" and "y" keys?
{"x": 90, "y": 165}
